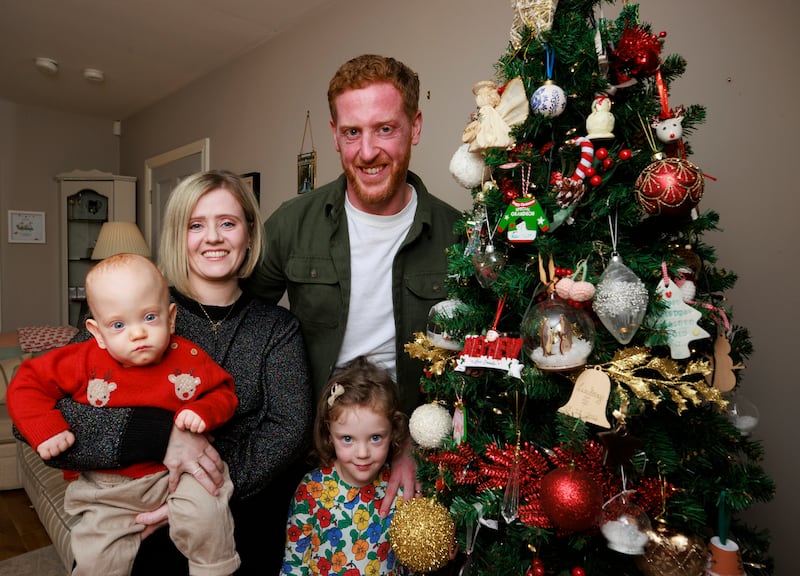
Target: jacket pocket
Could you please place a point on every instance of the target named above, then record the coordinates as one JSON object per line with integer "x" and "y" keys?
{"x": 314, "y": 290}
{"x": 422, "y": 291}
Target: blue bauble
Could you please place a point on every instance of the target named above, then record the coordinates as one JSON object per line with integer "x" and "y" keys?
{"x": 549, "y": 100}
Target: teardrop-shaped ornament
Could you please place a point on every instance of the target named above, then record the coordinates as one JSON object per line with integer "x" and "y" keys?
{"x": 510, "y": 510}
{"x": 620, "y": 300}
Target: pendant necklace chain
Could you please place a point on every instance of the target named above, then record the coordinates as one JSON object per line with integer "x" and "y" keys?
{"x": 218, "y": 323}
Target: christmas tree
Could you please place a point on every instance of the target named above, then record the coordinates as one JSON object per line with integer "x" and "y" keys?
{"x": 583, "y": 372}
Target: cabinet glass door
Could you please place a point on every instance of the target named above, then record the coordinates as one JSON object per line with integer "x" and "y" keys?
{"x": 86, "y": 211}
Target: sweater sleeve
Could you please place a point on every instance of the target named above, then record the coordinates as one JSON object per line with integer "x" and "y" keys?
{"x": 108, "y": 438}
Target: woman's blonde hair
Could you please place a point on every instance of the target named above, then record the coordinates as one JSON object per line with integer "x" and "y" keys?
{"x": 173, "y": 253}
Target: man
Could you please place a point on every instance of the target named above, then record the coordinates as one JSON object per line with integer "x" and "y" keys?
{"x": 363, "y": 258}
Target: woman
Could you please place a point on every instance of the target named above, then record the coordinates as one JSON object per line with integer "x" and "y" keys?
{"x": 211, "y": 238}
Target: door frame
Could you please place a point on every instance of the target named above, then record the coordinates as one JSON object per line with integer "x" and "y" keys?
{"x": 202, "y": 147}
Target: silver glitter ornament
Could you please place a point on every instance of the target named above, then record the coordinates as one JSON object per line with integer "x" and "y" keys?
{"x": 620, "y": 300}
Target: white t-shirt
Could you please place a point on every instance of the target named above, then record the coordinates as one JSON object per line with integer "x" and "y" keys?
{"x": 374, "y": 242}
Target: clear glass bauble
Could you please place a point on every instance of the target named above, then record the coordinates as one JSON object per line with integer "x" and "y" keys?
{"x": 488, "y": 264}
{"x": 742, "y": 413}
{"x": 626, "y": 527}
{"x": 557, "y": 336}
{"x": 438, "y": 316}
{"x": 620, "y": 300}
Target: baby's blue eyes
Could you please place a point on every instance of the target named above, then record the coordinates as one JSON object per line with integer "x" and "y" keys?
{"x": 118, "y": 325}
{"x": 150, "y": 317}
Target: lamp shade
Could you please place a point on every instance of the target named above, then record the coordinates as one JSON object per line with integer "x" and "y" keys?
{"x": 119, "y": 237}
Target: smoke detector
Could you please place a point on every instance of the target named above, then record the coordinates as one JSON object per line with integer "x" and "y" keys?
{"x": 47, "y": 65}
{"x": 94, "y": 75}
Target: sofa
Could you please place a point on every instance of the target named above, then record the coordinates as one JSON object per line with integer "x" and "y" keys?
{"x": 20, "y": 466}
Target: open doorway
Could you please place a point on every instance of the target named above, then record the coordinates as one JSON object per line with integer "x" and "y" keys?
{"x": 161, "y": 174}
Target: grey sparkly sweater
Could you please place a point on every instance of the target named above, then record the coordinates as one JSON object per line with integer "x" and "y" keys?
{"x": 261, "y": 346}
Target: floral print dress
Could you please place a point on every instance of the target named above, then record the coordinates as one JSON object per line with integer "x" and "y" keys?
{"x": 335, "y": 528}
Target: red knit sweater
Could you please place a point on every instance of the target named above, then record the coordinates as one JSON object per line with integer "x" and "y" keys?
{"x": 186, "y": 377}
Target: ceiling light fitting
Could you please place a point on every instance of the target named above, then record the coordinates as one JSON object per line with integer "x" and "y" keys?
{"x": 47, "y": 65}
{"x": 94, "y": 75}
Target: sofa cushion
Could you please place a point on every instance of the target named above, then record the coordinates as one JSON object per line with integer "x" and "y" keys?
{"x": 8, "y": 367}
{"x": 41, "y": 338}
{"x": 45, "y": 487}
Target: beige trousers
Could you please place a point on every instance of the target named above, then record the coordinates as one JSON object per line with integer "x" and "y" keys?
{"x": 106, "y": 539}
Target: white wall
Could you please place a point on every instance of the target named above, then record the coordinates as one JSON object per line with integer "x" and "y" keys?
{"x": 35, "y": 145}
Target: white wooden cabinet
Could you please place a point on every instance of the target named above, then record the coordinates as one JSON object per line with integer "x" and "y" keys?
{"x": 86, "y": 200}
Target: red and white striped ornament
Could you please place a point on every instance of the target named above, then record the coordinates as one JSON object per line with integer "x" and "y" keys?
{"x": 569, "y": 191}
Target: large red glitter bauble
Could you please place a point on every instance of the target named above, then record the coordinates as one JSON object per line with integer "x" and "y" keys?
{"x": 671, "y": 186}
{"x": 571, "y": 499}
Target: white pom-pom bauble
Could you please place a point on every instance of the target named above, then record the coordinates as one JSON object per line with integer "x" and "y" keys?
{"x": 467, "y": 167}
{"x": 549, "y": 100}
{"x": 430, "y": 424}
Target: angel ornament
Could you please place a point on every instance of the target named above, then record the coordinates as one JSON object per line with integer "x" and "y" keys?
{"x": 497, "y": 114}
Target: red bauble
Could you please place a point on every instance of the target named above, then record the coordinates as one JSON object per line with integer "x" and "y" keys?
{"x": 571, "y": 499}
{"x": 671, "y": 186}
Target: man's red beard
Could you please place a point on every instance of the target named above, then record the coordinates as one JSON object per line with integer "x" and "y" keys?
{"x": 374, "y": 196}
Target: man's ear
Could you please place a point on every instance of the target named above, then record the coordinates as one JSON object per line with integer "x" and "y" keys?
{"x": 173, "y": 312}
{"x": 91, "y": 326}
{"x": 335, "y": 139}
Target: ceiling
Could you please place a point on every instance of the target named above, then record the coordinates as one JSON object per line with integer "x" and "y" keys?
{"x": 146, "y": 48}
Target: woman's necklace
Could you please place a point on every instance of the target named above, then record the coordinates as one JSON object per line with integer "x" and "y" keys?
{"x": 218, "y": 323}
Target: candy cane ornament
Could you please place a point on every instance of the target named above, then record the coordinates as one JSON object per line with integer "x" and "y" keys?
{"x": 569, "y": 191}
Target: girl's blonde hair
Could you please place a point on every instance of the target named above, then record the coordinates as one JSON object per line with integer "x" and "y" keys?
{"x": 359, "y": 383}
{"x": 173, "y": 254}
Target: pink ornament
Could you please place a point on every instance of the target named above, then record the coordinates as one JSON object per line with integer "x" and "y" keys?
{"x": 581, "y": 291}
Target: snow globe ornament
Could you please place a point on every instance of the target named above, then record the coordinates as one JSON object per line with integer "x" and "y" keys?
{"x": 742, "y": 413}
{"x": 620, "y": 300}
{"x": 557, "y": 336}
{"x": 438, "y": 316}
{"x": 626, "y": 527}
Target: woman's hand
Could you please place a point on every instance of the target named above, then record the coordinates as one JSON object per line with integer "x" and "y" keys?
{"x": 189, "y": 453}
{"x": 404, "y": 473}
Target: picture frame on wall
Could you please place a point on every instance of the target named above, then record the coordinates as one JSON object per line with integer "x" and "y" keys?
{"x": 306, "y": 171}
{"x": 253, "y": 179}
{"x": 26, "y": 227}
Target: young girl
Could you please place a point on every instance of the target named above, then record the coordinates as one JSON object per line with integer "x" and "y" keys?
{"x": 334, "y": 526}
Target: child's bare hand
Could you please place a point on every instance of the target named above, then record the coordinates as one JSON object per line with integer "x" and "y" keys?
{"x": 55, "y": 445}
{"x": 191, "y": 421}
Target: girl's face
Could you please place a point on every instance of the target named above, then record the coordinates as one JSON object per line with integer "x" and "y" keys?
{"x": 218, "y": 236}
{"x": 361, "y": 438}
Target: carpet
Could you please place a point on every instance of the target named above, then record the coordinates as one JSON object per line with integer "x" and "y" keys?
{"x": 39, "y": 562}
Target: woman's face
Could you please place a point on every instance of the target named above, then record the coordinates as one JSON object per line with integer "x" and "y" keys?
{"x": 217, "y": 237}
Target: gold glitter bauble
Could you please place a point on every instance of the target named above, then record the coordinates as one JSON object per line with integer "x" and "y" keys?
{"x": 671, "y": 553}
{"x": 421, "y": 534}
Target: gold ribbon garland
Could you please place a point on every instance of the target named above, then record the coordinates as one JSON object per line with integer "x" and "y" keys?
{"x": 423, "y": 349}
{"x": 629, "y": 363}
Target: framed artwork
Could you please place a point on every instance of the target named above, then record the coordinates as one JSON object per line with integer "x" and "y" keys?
{"x": 26, "y": 227}
{"x": 306, "y": 171}
{"x": 253, "y": 179}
